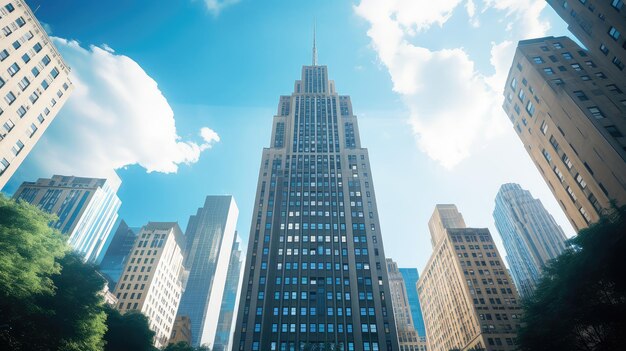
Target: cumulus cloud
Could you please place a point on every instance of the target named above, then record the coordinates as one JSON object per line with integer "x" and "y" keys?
{"x": 116, "y": 117}
{"x": 454, "y": 107}
{"x": 216, "y": 6}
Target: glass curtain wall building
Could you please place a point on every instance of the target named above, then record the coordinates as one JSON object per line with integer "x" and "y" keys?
{"x": 411, "y": 276}
{"x": 226, "y": 323}
{"x": 316, "y": 266}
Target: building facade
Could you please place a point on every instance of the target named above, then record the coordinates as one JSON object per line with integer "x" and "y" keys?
{"x": 467, "y": 297}
{"x": 600, "y": 26}
{"x": 411, "y": 277}
{"x": 86, "y": 207}
{"x": 408, "y": 338}
{"x": 209, "y": 241}
{"x": 530, "y": 235}
{"x": 230, "y": 301}
{"x": 34, "y": 84}
{"x": 181, "y": 331}
{"x": 116, "y": 254}
{"x": 569, "y": 113}
{"x": 152, "y": 282}
{"x": 315, "y": 269}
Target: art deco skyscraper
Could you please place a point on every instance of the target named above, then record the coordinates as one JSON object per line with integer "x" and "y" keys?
{"x": 152, "y": 281}
{"x": 209, "y": 242}
{"x": 315, "y": 269}
{"x": 408, "y": 338}
{"x": 34, "y": 84}
{"x": 601, "y": 27}
{"x": 86, "y": 207}
{"x": 530, "y": 235}
{"x": 467, "y": 298}
{"x": 569, "y": 113}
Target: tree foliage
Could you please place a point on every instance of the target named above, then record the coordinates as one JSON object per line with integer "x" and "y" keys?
{"x": 580, "y": 303}
{"x": 183, "y": 346}
{"x": 128, "y": 332}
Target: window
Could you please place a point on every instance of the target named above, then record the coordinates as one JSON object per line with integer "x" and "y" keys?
{"x": 618, "y": 63}
{"x": 8, "y": 126}
{"x": 595, "y": 112}
{"x": 614, "y": 131}
{"x": 576, "y": 67}
{"x": 600, "y": 75}
{"x": 617, "y": 4}
{"x": 558, "y": 173}
{"x": 9, "y": 98}
{"x": 513, "y": 83}
{"x": 2, "y": 82}
{"x": 9, "y": 7}
{"x": 45, "y": 60}
{"x": 37, "y": 47}
{"x": 581, "y": 181}
{"x": 544, "y": 127}
{"x": 14, "y": 68}
{"x": 570, "y": 191}
{"x": 558, "y": 81}
{"x": 521, "y": 95}
{"x": 54, "y": 73}
{"x": 4, "y": 54}
{"x": 614, "y": 89}
{"x": 581, "y": 95}
{"x": 538, "y": 60}
{"x": 530, "y": 108}
{"x": 4, "y": 164}
{"x": 546, "y": 154}
{"x": 544, "y": 48}
{"x": 26, "y": 58}
{"x": 21, "y": 111}
{"x": 557, "y": 45}
{"x": 585, "y": 214}
{"x": 614, "y": 33}
{"x": 548, "y": 71}
{"x": 17, "y": 44}
{"x": 7, "y": 31}
{"x": 20, "y": 21}
{"x": 17, "y": 148}
{"x": 23, "y": 84}
{"x": 554, "y": 143}
{"x": 35, "y": 71}
{"x": 585, "y": 77}
{"x": 567, "y": 161}
{"x": 604, "y": 49}
{"x": 567, "y": 55}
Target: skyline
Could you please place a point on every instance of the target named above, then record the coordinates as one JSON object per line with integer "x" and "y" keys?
{"x": 378, "y": 110}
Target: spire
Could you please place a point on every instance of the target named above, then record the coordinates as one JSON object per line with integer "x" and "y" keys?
{"x": 314, "y": 47}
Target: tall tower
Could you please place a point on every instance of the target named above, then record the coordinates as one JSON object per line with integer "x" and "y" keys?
{"x": 34, "y": 84}
{"x": 568, "y": 111}
{"x": 465, "y": 292}
{"x": 411, "y": 277}
{"x": 209, "y": 242}
{"x": 315, "y": 256}
{"x": 86, "y": 207}
{"x": 228, "y": 311}
{"x": 601, "y": 27}
{"x": 408, "y": 337}
{"x": 530, "y": 235}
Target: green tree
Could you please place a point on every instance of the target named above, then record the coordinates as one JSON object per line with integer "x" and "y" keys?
{"x": 183, "y": 346}
{"x": 128, "y": 332}
{"x": 580, "y": 303}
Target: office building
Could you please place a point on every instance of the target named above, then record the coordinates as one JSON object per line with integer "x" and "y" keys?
{"x": 34, "y": 84}
{"x": 569, "y": 113}
{"x": 600, "y": 26}
{"x": 230, "y": 301}
{"x": 467, "y": 298}
{"x": 209, "y": 242}
{"x": 315, "y": 269}
{"x": 152, "y": 280}
{"x": 530, "y": 235}
{"x": 114, "y": 259}
{"x": 411, "y": 277}
{"x": 86, "y": 208}
{"x": 408, "y": 338}
{"x": 181, "y": 331}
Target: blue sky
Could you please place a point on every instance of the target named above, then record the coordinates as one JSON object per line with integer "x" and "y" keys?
{"x": 178, "y": 96}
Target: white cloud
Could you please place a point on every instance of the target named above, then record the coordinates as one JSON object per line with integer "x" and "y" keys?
{"x": 454, "y": 108}
{"x": 216, "y": 6}
{"x": 116, "y": 117}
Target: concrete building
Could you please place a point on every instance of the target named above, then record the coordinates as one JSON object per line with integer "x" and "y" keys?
{"x": 181, "y": 331}
{"x": 411, "y": 277}
{"x": 467, "y": 297}
{"x": 34, "y": 84}
{"x": 152, "y": 279}
{"x": 408, "y": 337}
{"x": 230, "y": 301}
{"x": 530, "y": 235}
{"x": 209, "y": 241}
{"x": 600, "y": 26}
{"x": 315, "y": 251}
{"x": 86, "y": 207}
{"x": 116, "y": 254}
{"x": 570, "y": 115}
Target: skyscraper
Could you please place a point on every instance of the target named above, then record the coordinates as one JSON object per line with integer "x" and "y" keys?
{"x": 230, "y": 301}
{"x": 411, "y": 277}
{"x": 209, "y": 242}
{"x": 465, "y": 292}
{"x": 600, "y": 26}
{"x": 34, "y": 83}
{"x": 86, "y": 207}
{"x": 530, "y": 235}
{"x": 569, "y": 113}
{"x": 114, "y": 258}
{"x": 408, "y": 338}
{"x": 315, "y": 269}
{"x": 152, "y": 281}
